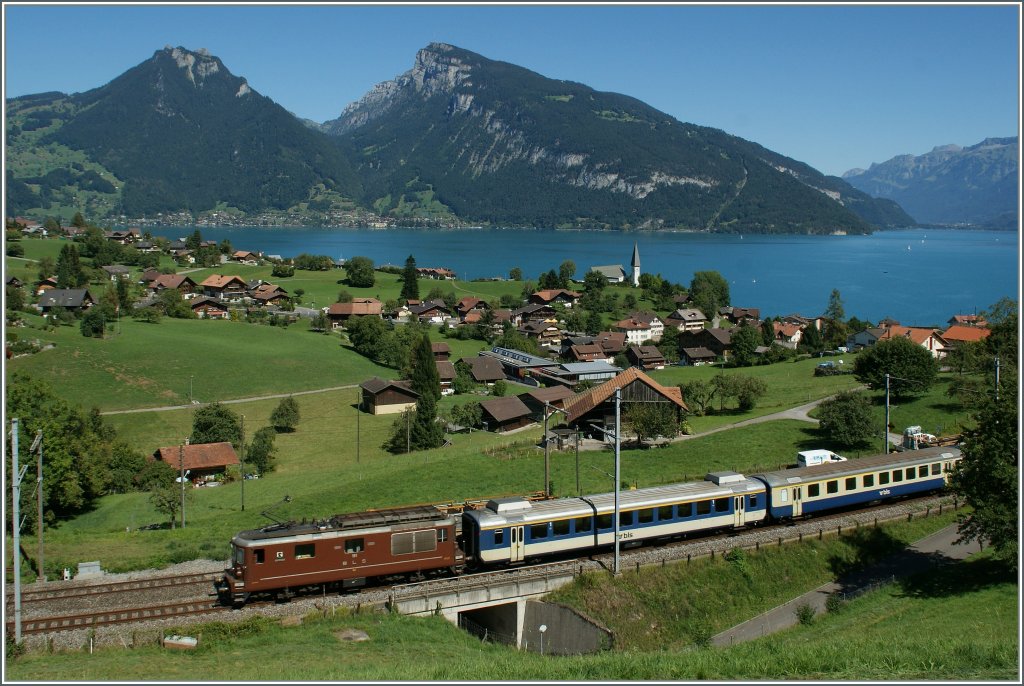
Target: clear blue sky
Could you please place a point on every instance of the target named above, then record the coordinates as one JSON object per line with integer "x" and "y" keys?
{"x": 834, "y": 86}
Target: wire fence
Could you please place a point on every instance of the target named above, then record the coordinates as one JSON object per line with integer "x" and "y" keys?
{"x": 485, "y": 633}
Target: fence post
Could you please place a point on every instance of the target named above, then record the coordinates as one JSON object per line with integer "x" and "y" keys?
{"x": 839, "y": 530}
{"x": 819, "y": 534}
{"x": 780, "y": 541}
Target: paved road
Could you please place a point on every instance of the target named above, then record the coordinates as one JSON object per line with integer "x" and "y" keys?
{"x": 929, "y": 552}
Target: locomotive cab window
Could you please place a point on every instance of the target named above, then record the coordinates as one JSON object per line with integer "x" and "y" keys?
{"x": 442, "y": 535}
{"x": 832, "y": 486}
{"x": 561, "y": 527}
{"x": 257, "y": 555}
{"x": 813, "y": 490}
{"x": 851, "y": 483}
{"x": 354, "y": 545}
{"x": 304, "y": 550}
{"x": 584, "y": 525}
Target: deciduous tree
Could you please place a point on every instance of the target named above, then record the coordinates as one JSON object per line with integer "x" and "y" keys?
{"x": 285, "y": 416}
{"x": 709, "y": 291}
{"x": 847, "y": 419}
{"x": 911, "y": 368}
{"x": 649, "y": 420}
{"x": 360, "y": 272}
{"x": 215, "y": 423}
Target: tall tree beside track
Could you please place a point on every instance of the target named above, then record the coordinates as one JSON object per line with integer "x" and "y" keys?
{"x": 988, "y": 475}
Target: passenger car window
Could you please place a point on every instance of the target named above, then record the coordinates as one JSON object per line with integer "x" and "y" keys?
{"x": 851, "y": 483}
{"x": 869, "y": 480}
{"x": 832, "y": 486}
{"x": 703, "y": 507}
{"x": 499, "y": 537}
{"x": 539, "y": 531}
{"x": 883, "y": 478}
{"x": 584, "y": 524}
{"x": 561, "y": 527}
{"x": 646, "y": 516}
{"x": 721, "y": 504}
{"x": 664, "y": 513}
{"x": 813, "y": 490}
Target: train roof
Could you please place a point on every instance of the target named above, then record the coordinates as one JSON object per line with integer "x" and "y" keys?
{"x": 351, "y": 522}
{"x": 854, "y": 466}
{"x": 521, "y": 511}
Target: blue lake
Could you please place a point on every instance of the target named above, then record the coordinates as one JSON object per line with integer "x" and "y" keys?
{"x": 918, "y": 277}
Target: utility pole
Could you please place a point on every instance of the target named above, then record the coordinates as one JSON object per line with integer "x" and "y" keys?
{"x": 885, "y": 429}
{"x": 577, "y": 461}
{"x": 359, "y": 411}
{"x": 190, "y": 377}
{"x": 407, "y": 415}
{"x": 16, "y": 527}
{"x": 997, "y": 378}
{"x": 618, "y": 402}
{"x": 242, "y": 462}
{"x": 181, "y": 469}
{"x": 37, "y": 444}
{"x": 547, "y": 463}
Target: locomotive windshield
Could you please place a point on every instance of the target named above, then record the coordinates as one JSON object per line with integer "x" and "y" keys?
{"x": 238, "y": 555}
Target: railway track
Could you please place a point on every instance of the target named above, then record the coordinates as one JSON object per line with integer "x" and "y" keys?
{"x": 104, "y": 618}
{"x": 111, "y": 588}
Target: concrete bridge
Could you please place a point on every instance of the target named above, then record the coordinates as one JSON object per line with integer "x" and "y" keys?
{"x": 508, "y": 609}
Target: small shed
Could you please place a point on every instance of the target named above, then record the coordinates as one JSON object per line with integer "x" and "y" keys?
{"x": 505, "y": 414}
{"x": 383, "y": 396}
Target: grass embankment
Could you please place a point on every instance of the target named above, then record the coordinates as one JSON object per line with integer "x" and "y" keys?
{"x": 868, "y": 639}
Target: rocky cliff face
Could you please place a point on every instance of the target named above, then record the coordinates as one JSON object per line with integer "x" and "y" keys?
{"x": 950, "y": 185}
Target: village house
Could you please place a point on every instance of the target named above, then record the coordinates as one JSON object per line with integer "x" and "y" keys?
{"x": 738, "y": 315}
{"x": 71, "y": 299}
{"x": 470, "y": 305}
{"x": 534, "y": 312}
{"x": 967, "y": 320}
{"x": 612, "y": 342}
{"x": 484, "y": 370}
{"x": 441, "y": 351}
{"x": 205, "y": 307}
{"x": 927, "y": 338}
{"x": 381, "y": 396}
{"x": 441, "y": 273}
{"x": 446, "y": 374}
{"x": 199, "y": 461}
{"x": 117, "y": 272}
{"x": 596, "y": 406}
{"x": 221, "y": 287}
{"x": 266, "y": 294}
{"x": 958, "y": 334}
{"x": 718, "y": 341}
{"x": 518, "y": 364}
{"x": 864, "y": 338}
{"x": 554, "y": 396}
{"x": 687, "y": 319}
{"x": 245, "y": 257}
{"x": 505, "y": 414}
{"x": 787, "y": 334}
{"x": 124, "y": 237}
{"x": 554, "y": 295}
{"x": 14, "y": 282}
{"x": 587, "y": 352}
{"x": 639, "y": 330}
{"x": 547, "y": 334}
{"x": 46, "y": 284}
{"x": 181, "y": 282}
{"x": 573, "y": 373}
{"x": 652, "y": 320}
{"x": 338, "y": 314}
{"x": 432, "y": 311}
{"x": 695, "y": 357}
{"x": 645, "y": 357}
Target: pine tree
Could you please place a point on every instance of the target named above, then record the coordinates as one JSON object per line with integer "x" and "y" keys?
{"x": 69, "y": 268}
{"x": 410, "y": 286}
{"x": 425, "y": 431}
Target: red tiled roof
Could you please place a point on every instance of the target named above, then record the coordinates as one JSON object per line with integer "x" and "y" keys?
{"x": 221, "y": 281}
{"x": 364, "y": 306}
{"x": 964, "y": 334}
{"x": 198, "y": 455}
{"x": 581, "y": 403}
{"x": 170, "y": 281}
{"x": 631, "y": 324}
{"x": 917, "y": 334}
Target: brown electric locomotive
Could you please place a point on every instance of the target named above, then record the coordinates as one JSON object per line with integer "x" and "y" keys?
{"x": 341, "y": 552}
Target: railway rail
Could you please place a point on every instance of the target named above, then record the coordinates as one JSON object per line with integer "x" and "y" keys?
{"x": 91, "y": 620}
{"x": 109, "y": 588}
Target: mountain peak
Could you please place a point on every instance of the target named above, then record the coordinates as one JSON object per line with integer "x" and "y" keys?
{"x": 197, "y": 65}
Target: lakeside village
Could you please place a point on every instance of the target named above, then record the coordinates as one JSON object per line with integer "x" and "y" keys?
{"x": 565, "y": 350}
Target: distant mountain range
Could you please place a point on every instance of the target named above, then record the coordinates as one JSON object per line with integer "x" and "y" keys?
{"x": 976, "y": 185}
{"x": 458, "y": 138}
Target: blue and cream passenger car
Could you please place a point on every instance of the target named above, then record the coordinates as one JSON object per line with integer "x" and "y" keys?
{"x": 514, "y": 529}
{"x": 807, "y": 490}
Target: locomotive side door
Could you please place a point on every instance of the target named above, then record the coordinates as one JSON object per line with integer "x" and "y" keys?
{"x": 797, "y": 501}
{"x": 517, "y": 552}
{"x": 738, "y": 510}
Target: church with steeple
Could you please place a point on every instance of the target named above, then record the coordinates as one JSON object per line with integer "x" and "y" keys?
{"x": 635, "y": 263}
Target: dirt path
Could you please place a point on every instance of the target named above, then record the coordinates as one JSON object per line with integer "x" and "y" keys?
{"x": 168, "y": 408}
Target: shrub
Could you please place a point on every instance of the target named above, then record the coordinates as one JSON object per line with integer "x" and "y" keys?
{"x": 805, "y": 614}
{"x": 834, "y": 603}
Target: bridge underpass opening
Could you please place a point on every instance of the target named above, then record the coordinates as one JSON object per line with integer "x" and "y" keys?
{"x": 497, "y": 623}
